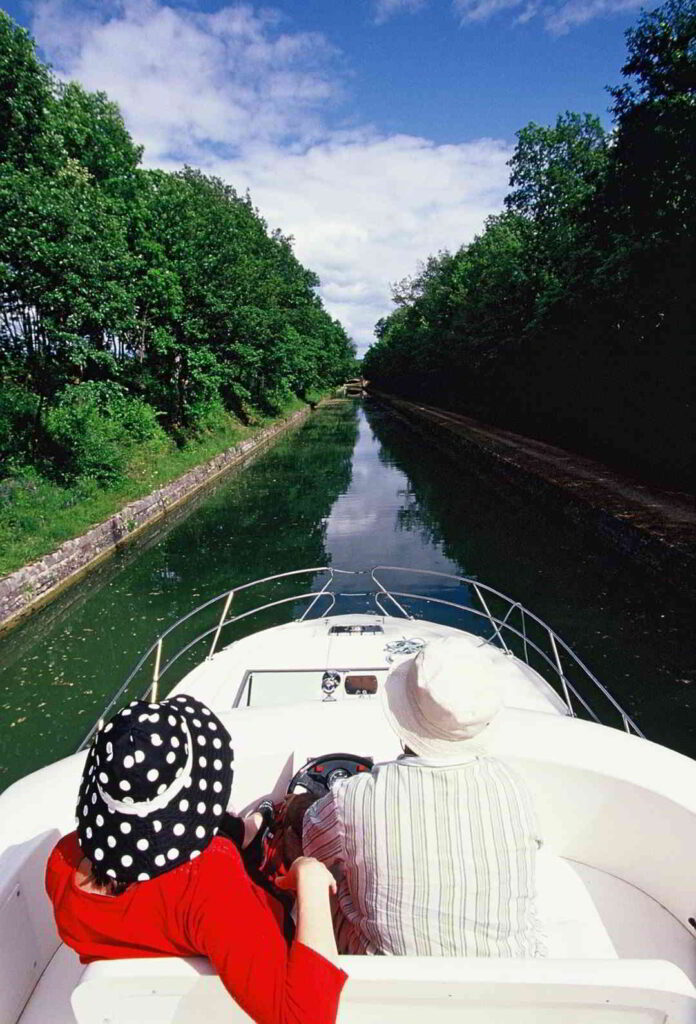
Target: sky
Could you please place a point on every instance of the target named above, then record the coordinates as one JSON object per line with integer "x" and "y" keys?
{"x": 375, "y": 132}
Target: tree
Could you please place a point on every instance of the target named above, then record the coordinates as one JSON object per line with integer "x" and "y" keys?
{"x": 572, "y": 315}
{"x": 169, "y": 286}
{"x": 555, "y": 170}
{"x": 92, "y": 133}
{"x": 25, "y": 95}
{"x": 64, "y": 274}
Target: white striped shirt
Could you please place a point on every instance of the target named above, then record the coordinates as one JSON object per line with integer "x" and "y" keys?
{"x": 433, "y": 859}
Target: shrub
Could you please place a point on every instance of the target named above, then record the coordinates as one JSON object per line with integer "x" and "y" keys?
{"x": 209, "y": 417}
{"x": 18, "y": 411}
{"x": 92, "y": 429}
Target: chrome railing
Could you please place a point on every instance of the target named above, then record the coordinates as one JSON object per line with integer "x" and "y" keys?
{"x": 512, "y": 627}
{"x": 502, "y": 626}
{"x": 227, "y": 597}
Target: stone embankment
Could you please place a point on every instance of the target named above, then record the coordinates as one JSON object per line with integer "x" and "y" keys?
{"x": 652, "y": 526}
{"x": 34, "y": 585}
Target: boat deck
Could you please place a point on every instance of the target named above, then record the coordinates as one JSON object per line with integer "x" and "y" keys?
{"x": 615, "y": 893}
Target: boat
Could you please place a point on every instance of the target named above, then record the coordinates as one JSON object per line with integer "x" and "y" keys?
{"x": 295, "y": 675}
{"x": 354, "y": 387}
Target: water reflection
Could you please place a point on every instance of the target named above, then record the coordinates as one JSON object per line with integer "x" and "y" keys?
{"x": 634, "y": 634}
{"x": 367, "y": 525}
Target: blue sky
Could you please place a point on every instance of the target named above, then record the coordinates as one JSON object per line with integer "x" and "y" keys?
{"x": 373, "y": 131}
{"x": 427, "y": 74}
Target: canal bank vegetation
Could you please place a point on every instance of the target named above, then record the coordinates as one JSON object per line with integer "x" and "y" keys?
{"x": 148, "y": 320}
{"x": 571, "y": 317}
{"x": 37, "y": 514}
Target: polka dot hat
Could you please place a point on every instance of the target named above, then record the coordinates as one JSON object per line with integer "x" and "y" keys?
{"x": 155, "y": 785}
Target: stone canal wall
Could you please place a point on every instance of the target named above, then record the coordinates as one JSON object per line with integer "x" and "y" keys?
{"x": 654, "y": 527}
{"x": 33, "y": 585}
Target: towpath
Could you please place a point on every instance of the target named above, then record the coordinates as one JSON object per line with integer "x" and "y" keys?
{"x": 667, "y": 518}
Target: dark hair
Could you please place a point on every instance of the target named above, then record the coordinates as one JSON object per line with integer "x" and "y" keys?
{"x": 114, "y": 887}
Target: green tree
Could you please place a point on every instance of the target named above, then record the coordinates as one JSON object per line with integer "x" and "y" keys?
{"x": 92, "y": 133}
{"x": 572, "y": 315}
{"x": 170, "y": 286}
{"x": 555, "y": 170}
{"x": 25, "y": 95}
{"x": 649, "y": 200}
{"x": 64, "y": 272}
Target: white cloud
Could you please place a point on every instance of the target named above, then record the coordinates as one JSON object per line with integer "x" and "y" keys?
{"x": 558, "y": 18}
{"x": 481, "y": 10}
{"x": 577, "y": 12}
{"x": 365, "y": 210}
{"x": 186, "y": 80}
{"x": 237, "y": 95}
{"x": 385, "y": 9}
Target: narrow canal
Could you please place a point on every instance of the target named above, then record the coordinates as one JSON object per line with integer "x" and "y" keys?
{"x": 353, "y": 487}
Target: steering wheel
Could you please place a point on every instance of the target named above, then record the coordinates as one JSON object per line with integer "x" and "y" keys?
{"x": 319, "y": 774}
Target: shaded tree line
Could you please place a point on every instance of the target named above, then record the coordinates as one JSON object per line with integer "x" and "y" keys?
{"x": 133, "y": 301}
{"x": 571, "y": 317}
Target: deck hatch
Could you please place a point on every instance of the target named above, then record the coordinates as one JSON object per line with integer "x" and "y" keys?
{"x": 357, "y": 630}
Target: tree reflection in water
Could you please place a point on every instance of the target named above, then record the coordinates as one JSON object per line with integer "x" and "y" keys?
{"x": 630, "y": 630}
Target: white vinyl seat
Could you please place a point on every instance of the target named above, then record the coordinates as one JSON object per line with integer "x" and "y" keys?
{"x": 568, "y": 916}
{"x": 407, "y": 990}
{"x": 582, "y": 979}
{"x": 50, "y": 1001}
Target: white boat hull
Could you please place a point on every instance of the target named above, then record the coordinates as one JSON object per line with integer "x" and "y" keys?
{"x": 618, "y": 815}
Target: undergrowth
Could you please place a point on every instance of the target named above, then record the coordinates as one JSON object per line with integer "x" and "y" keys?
{"x": 37, "y": 514}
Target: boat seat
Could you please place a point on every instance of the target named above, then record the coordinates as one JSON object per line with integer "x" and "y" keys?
{"x": 404, "y": 990}
{"x": 582, "y": 970}
{"x": 571, "y": 899}
{"x": 50, "y": 1001}
{"x": 567, "y": 913}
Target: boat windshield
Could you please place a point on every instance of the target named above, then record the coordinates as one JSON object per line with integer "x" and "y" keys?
{"x": 271, "y": 687}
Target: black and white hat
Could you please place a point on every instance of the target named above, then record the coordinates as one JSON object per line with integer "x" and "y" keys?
{"x": 155, "y": 785}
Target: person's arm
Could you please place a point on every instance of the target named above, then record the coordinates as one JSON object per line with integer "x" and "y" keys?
{"x": 231, "y": 923}
{"x": 313, "y": 882}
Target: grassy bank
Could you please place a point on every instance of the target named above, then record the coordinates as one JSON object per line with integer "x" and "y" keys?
{"x": 38, "y": 515}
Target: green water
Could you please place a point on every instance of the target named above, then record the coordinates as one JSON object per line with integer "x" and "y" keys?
{"x": 353, "y": 487}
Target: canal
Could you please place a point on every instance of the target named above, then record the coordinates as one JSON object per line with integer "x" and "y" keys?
{"x": 352, "y": 487}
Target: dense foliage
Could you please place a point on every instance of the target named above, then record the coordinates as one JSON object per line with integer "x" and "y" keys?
{"x": 572, "y": 316}
{"x": 134, "y": 304}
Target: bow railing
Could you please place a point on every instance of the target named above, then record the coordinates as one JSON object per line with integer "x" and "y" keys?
{"x": 479, "y": 609}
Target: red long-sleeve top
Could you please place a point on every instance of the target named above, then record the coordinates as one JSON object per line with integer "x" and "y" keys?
{"x": 208, "y": 907}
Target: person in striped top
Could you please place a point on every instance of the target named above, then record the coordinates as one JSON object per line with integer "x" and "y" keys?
{"x": 434, "y": 852}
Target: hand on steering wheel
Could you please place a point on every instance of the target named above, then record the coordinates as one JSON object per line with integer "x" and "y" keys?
{"x": 319, "y": 774}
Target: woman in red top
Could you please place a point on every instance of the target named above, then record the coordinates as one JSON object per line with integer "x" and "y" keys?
{"x": 146, "y": 873}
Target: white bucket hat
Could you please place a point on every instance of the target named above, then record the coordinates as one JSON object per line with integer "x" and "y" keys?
{"x": 437, "y": 701}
